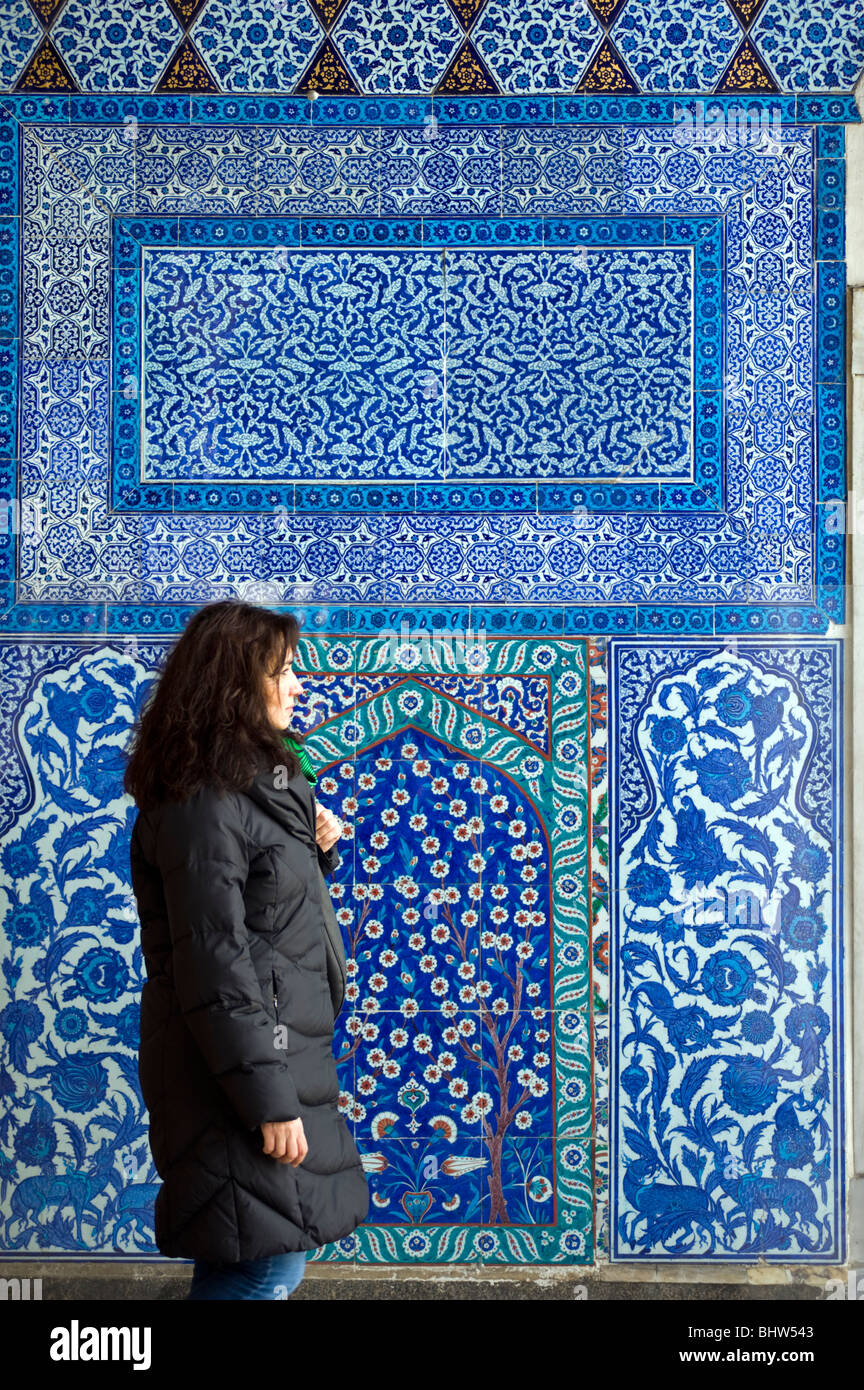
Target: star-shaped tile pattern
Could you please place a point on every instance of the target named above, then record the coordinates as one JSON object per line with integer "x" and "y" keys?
{"x": 679, "y": 46}
{"x": 263, "y": 46}
{"x": 529, "y": 50}
{"x": 108, "y": 48}
{"x": 436, "y": 46}
{"x": 815, "y": 46}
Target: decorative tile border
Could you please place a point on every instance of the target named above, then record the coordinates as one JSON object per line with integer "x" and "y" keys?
{"x": 606, "y": 46}
{"x": 754, "y": 587}
{"x": 446, "y": 110}
{"x": 133, "y": 238}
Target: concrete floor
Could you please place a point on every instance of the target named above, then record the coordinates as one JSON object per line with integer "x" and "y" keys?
{"x": 154, "y": 1280}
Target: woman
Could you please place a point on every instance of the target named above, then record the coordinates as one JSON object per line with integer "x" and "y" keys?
{"x": 245, "y": 963}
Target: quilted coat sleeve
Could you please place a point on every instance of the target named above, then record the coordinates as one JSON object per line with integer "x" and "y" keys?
{"x": 329, "y": 860}
{"x": 203, "y": 857}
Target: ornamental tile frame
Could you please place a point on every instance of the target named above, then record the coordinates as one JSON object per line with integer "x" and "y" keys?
{"x": 157, "y": 260}
{"x": 78, "y": 171}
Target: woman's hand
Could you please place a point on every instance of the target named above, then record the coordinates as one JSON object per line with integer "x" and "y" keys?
{"x": 285, "y": 1141}
{"x": 328, "y": 828}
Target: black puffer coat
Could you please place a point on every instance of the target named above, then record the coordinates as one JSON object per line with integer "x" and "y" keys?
{"x": 238, "y": 933}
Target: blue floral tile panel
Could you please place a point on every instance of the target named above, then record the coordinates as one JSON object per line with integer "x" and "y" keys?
{"x": 726, "y": 1071}
{"x": 261, "y": 365}
{"x": 746, "y": 212}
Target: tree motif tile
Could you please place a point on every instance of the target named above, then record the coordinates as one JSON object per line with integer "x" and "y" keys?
{"x": 682, "y": 46}
{"x": 467, "y": 945}
{"x": 422, "y": 1182}
{"x": 114, "y": 48}
{"x": 817, "y": 47}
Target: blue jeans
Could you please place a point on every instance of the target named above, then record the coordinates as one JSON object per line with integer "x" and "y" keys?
{"x": 275, "y": 1276}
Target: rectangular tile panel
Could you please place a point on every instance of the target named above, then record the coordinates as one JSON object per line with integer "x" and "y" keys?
{"x": 726, "y": 1049}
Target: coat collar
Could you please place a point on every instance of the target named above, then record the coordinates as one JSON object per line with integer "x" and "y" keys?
{"x": 288, "y": 800}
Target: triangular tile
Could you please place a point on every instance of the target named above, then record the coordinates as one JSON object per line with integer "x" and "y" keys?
{"x": 328, "y": 11}
{"x": 327, "y": 73}
{"x": 466, "y": 11}
{"x": 186, "y": 10}
{"x": 607, "y": 72}
{"x": 607, "y": 11}
{"x": 745, "y": 11}
{"x": 187, "y": 71}
{"x": 467, "y": 75}
{"x": 747, "y": 72}
{"x": 46, "y": 72}
{"x": 46, "y": 11}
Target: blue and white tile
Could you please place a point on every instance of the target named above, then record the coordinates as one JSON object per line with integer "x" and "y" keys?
{"x": 78, "y": 176}
{"x": 294, "y": 340}
{"x": 64, "y": 419}
{"x": 553, "y": 329}
{"x": 764, "y": 196}
{"x": 85, "y": 556}
{"x": 726, "y": 1069}
{"x": 530, "y": 50}
{"x": 111, "y": 48}
{"x": 437, "y": 171}
{"x": 815, "y": 46}
{"x": 396, "y": 49}
{"x": 327, "y": 170}
{"x": 262, "y": 46}
{"x": 19, "y": 36}
{"x": 699, "y": 167}
{"x": 65, "y": 856}
{"x": 569, "y": 170}
{"x": 680, "y": 46}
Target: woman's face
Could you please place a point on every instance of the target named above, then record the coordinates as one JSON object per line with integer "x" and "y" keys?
{"x": 283, "y": 691}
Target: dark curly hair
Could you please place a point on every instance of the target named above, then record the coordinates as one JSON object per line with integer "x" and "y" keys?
{"x": 204, "y": 721}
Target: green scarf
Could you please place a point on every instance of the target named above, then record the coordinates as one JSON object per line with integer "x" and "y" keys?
{"x": 303, "y": 758}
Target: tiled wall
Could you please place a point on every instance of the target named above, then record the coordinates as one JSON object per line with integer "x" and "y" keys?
{"x": 513, "y": 362}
